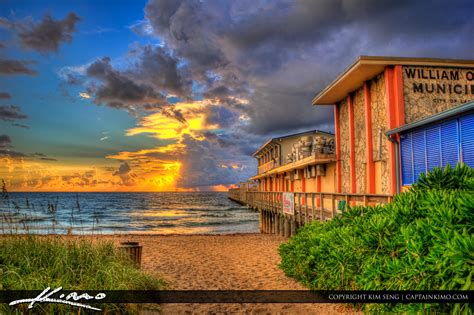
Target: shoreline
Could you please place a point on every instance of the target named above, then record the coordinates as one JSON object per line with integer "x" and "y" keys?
{"x": 137, "y": 234}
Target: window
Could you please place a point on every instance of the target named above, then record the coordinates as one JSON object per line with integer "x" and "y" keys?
{"x": 437, "y": 146}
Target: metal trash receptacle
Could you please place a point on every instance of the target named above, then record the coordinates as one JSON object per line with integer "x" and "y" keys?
{"x": 133, "y": 250}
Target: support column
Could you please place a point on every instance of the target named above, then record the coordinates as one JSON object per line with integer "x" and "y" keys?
{"x": 292, "y": 227}
{"x": 267, "y": 222}
{"x": 287, "y": 227}
{"x": 337, "y": 128}
{"x": 350, "y": 106}
{"x": 272, "y": 223}
{"x": 318, "y": 189}
{"x": 303, "y": 186}
{"x": 281, "y": 221}
{"x": 396, "y": 115}
{"x": 368, "y": 139}
{"x": 276, "y": 224}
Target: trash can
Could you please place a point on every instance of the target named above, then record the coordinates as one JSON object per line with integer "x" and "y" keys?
{"x": 132, "y": 250}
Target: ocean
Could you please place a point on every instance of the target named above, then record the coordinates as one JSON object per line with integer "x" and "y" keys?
{"x": 116, "y": 213}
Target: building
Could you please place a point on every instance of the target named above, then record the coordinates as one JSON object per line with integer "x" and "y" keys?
{"x": 397, "y": 117}
{"x": 297, "y": 163}
{"x": 394, "y": 119}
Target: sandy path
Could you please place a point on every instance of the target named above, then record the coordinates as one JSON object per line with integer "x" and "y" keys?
{"x": 226, "y": 262}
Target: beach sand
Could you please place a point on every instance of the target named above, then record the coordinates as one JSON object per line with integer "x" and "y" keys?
{"x": 219, "y": 262}
{"x": 222, "y": 262}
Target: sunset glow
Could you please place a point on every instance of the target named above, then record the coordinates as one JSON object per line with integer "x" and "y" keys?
{"x": 151, "y": 96}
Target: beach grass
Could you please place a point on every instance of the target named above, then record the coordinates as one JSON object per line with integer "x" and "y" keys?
{"x": 36, "y": 262}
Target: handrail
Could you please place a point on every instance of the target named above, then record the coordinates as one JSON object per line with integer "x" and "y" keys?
{"x": 308, "y": 206}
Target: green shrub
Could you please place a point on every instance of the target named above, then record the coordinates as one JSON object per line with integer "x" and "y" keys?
{"x": 35, "y": 263}
{"x": 423, "y": 240}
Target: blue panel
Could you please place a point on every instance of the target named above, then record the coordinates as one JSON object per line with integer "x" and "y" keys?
{"x": 467, "y": 139}
{"x": 407, "y": 159}
{"x": 449, "y": 143}
{"x": 419, "y": 154}
{"x": 433, "y": 148}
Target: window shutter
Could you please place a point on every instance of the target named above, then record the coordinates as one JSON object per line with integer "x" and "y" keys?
{"x": 419, "y": 154}
{"x": 449, "y": 143}
{"x": 406, "y": 157}
{"x": 467, "y": 139}
{"x": 433, "y": 148}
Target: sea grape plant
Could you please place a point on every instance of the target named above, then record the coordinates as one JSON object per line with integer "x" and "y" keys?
{"x": 423, "y": 240}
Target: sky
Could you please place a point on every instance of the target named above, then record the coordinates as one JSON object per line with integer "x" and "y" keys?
{"x": 176, "y": 95}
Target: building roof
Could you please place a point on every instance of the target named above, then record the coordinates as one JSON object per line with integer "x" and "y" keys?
{"x": 367, "y": 67}
{"x": 277, "y": 139}
{"x": 458, "y": 110}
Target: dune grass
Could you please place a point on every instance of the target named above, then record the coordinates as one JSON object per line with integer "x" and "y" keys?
{"x": 37, "y": 262}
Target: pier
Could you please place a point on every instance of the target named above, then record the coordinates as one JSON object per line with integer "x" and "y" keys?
{"x": 307, "y": 207}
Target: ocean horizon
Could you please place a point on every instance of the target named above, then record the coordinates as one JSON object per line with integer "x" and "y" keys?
{"x": 119, "y": 213}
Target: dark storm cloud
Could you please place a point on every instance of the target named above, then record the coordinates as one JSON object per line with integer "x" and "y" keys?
{"x": 21, "y": 125}
{"x": 158, "y": 68}
{"x": 201, "y": 166}
{"x": 125, "y": 173}
{"x": 5, "y": 95}
{"x": 5, "y": 23}
{"x": 47, "y": 35}
{"x": 261, "y": 43}
{"x": 48, "y": 159}
{"x": 11, "y": 66}
{"x": 11, "y": 154}
{"x": 86, "y": 178}
{"x": 118, "y": 90}
{"x": 11, "y": 113}
{"x": 5, "y": 141}
{"x": 221, "y": 116}
{"x": 6, "y": 146}
{"x": 37, "y": 154}
{"x": 176, "y": 114}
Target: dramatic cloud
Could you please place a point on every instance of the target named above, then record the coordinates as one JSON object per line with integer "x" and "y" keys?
{"x": 5, "y": 23}
{"x": 5, "y": 141}
{"x": 118, "y": 90}
{"x": 47, "y": 35}
{"x": 11, "y": 154}
{"x": 84, "y": 179}
{"x": 203, "y": 165}
{"x": 278, "y": 54}
{"x": 5, "y": 149}
{"x": 21, "y": 125}
{"x": 6, "y": 152}
{"x": 157, "y": 67}
{"x": 9, "y": 67}
{"x": 11, "y": 113}
{"x": 221, "y": 77}
{"x": 125, "y": 173}
{"x": 5, "y": 96}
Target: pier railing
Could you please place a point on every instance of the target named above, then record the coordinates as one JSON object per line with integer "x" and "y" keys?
{"x": 306, "y": 206}
{"x": 310, "y": 206}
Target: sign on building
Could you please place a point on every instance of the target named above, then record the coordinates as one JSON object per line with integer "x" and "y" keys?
{"x": 289, "y": 203}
